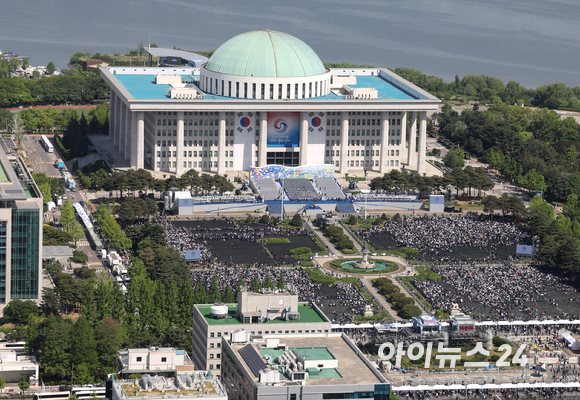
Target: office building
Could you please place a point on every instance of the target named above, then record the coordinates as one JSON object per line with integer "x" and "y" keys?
{"x": 257, "y": 313}
{"x": 299, "y": 367}
{"x": 21, "y": 213}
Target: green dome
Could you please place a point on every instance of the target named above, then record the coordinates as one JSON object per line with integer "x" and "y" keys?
{"x": 265, "y": 53}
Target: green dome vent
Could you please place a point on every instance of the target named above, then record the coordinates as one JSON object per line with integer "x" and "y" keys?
{"x": 265, "y": 53}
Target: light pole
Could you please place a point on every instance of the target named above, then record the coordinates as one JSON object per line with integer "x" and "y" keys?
{"x": 282, "y": 199}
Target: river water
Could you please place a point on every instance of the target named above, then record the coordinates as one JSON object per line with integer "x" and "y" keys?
{"x": 533, "y": 42}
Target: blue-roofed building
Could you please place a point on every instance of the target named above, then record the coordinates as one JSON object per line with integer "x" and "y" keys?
{"x": 264, "y": 97}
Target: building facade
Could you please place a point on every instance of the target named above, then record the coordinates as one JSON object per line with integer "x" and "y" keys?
{"x": 263, "y": 98}
{"x": 21, "y": 213}
{"x": 255, "y": 313}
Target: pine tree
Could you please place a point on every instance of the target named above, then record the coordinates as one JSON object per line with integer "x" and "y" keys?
{"x": 186, "y": 302}
{"x": 84, "y": 345}
{"x": 268, "y": 283}
{"x": 199, "y": 295}
{"x": 229, "y": 296}
{"x": 255, "y": 286}
{"x": 214, "y": 291}
{"x": 281, "y": 281}
{"x": 242, "y": 284}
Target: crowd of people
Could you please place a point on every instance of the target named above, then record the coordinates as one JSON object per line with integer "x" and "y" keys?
{"x": 503, "y": 292}
{"x": 184, "y": 238}
{"x": 340, "y": 302}
{"x": 438, "y": 235}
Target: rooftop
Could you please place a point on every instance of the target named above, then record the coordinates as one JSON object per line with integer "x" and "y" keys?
{"x": 351, "y": 369}
{"x": 183, "y": 385}
{"x": 142, "y": 86}
{"x": 307, "y": 314}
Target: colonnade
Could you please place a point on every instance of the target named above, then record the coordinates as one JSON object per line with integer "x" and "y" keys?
{"x": 127, "y": 129}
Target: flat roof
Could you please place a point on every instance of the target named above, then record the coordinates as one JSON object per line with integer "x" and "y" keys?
{"x": 351, "y": 370}
{"x": 309, "y": 353}
{"x": 167, "y": 52}
{"x": 56, "y": 252}
{"x": 143, "y": 87}
{"x": 307, "y": 314}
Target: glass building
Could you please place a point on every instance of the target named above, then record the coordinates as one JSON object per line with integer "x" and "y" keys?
{"x": 21, "y": 211}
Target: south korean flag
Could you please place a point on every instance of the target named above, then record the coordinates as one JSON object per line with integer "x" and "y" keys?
{"x": 245, "y": 122}
{"x": 317, "y": 122}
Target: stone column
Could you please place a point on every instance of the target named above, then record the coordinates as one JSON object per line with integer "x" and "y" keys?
{"x": 303, "y": 138}
{"x": 222, "y": 144}
{"x": 383, "y": 156}
{"x": 119, "y": 123}
{"x": 112, "y": 118}
{"x": 121, "y": 131}
{"x": 412, "y": 152}
{"x": 137, "y": 142}
{"x": 140, "y": 142}
{"x": 127, "y": 136}
{"x": 180, "y": 146}
{"x": 343, "y": 167}
{"x": 263, "y": 145}
{"x": 421, "y": 164}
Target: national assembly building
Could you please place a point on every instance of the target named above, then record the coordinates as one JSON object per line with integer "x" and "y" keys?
{"x": 264, "y": 98}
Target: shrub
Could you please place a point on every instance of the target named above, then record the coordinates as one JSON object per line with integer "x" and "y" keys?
{"x": 497, "y": 341}
{"x": 79, "y": 257}
{"x": 265, "y": 219}
{"x": 409, "y": 250}
{"x": 300, "y": 250}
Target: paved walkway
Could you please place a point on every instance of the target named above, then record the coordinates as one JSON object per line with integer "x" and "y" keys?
{"x": 367, "y": 280}
{"x": 357, "y": 245}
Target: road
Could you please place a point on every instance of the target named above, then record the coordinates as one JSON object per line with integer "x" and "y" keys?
{"x": 43, "y": 161}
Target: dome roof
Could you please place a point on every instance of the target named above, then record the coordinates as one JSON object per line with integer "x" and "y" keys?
{"x": 265, "y": 53}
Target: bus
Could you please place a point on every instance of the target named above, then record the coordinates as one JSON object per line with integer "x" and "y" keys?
{"x": 46, "y": 144}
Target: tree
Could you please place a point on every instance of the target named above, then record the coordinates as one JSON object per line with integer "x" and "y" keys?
{"x": 454, "y": 159}
{"x": 84, "y": 346}
{"x": 335, "y": 233}
{"x": 268, "y": 283}
{"x": 16, "y": 126}
{"x": 281, "y": 282}
{"x": 297, "y": 221}
{"x": 23, "y": 384}
{"x": 19, "y": 311}
{"x": 255, "y": 286}
{"x": 2, "y": 384}
{"x": 50, "y": 303}
{"x": 214, "y": 290}
{"x": 76, "y": 232}
{"x": 67, "y": 216}
{"x": 409, "y": 311}
{"x": 199, "y": 295}
{"x": 50, "y": 67}
{"x": 532, "y": 181}
{"x": 109, "y": 339}
{"x": 229, "y": 296}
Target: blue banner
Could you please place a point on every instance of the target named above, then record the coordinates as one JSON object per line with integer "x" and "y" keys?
{"x": 283, "y": 129}
{"x": 192, "y": 255}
